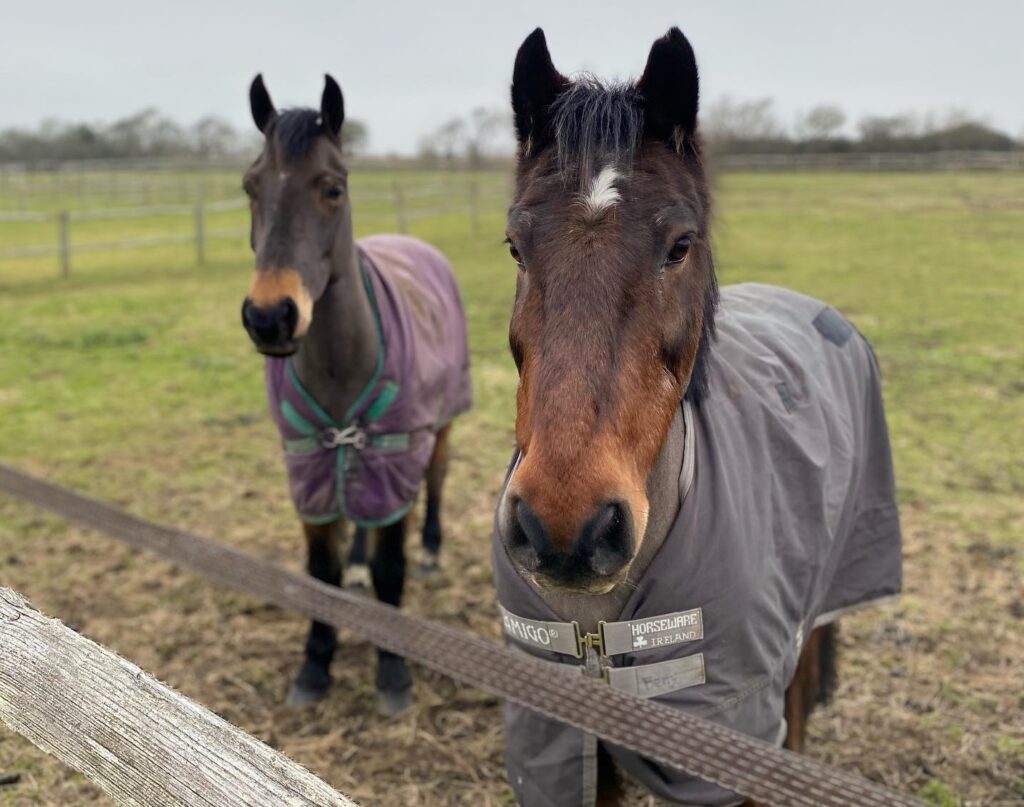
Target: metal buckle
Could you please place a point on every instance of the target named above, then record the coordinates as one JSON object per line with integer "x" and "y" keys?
{"x": 349, "y": 436}
{"x": 594, "y": 640}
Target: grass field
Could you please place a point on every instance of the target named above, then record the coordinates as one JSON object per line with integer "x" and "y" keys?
{"x": 134, "y": 382}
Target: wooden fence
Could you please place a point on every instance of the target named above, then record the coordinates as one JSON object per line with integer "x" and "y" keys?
{"x": 873, "y": 161}
{"x": 63, "y": 247}
{"x": 140, "y": 741}
{"x": 404, "y": 202}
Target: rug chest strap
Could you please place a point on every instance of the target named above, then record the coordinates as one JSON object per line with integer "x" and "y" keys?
{"x": 611, "y": 639}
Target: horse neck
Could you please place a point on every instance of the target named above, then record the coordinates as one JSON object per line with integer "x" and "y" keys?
{"x": 338, "y": 355}
{"x": 664, "y": 499}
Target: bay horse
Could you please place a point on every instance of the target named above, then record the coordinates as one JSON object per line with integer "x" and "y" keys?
{"x": 703, "y": 480}
{"x": 366, "y": 365}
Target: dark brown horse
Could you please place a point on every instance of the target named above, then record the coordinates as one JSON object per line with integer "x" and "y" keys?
{"x": 681, "y": 503}
{"x": 366, "y": 365}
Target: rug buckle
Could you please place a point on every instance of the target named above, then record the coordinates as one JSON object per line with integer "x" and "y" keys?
{"x": 349, "y": 436}
{"x": 591, "y": 640}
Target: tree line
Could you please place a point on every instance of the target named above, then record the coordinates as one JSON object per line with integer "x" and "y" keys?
{"x": 747, "y": 127}
{"x": 484, "y": 136}
{"x": 143, "y": 135}
{"x": 754, "y": 127}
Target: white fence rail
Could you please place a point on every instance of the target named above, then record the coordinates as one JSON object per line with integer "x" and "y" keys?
{"x": 142, "y": 742}
{"x": 880, "y": 161}
{"x": 467, "y": 199}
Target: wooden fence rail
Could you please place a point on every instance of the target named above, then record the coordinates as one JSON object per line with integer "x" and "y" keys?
{"x": 463, "y": 199}
{"x": 142, "y": 742}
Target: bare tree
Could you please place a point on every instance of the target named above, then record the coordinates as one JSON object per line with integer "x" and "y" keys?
{"x": 729, "y": 120}
{"x": 355, "y": 137}
{"x": 822, "y": 122}
{"x": 214, "y": 137}
{"x": 487, "y": 129}
{"x": 446, "y": 142}
{"x": 879, "y": 128}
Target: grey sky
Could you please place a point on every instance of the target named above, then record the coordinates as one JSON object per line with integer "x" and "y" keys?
{"x": 406, "y": 67}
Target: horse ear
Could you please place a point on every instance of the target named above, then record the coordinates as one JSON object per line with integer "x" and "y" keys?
{"x": 535, "y": 86}
{"x": 260, "y": 104}
{"x": 332, "y": 106}
{"x": 669, "y": 89}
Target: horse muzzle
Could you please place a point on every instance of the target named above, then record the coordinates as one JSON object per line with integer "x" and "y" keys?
{"x": 272, "y": 328}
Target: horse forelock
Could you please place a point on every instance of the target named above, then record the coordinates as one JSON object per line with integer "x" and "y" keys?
{"x": 295, "y": 131}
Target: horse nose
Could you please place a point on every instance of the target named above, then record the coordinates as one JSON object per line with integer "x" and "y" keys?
{"x": 603, "y": 546}
{"x": 270, "y": 326}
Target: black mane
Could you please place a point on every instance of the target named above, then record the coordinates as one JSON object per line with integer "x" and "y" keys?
{"x": 296, "y": 130}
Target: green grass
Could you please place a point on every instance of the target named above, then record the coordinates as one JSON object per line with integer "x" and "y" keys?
{"x": 142, "y": 342}
{"x": 133, "y": 381}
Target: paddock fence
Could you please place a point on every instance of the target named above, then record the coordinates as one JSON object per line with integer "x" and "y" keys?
{"x": 674, "y": 738}
{"x": 397, "y": 206}
{"x": 140, "y": 741}
{"x": 924, "y": 161}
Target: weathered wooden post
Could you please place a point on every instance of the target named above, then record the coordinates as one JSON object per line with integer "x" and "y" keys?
{"x": 200, "y": 235}
{"x": 474, "y": 206}
{"x": 403, "y": 225}
{"x": 64, "y": 242}
{"x": 139, "y": 740}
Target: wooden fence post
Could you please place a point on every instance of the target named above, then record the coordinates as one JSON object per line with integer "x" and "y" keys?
{"x": 474, "y": 206}
{"x": 64, "y": 242}
{"x": 137, "y": 739}
{"x": 403, "y": 225}
{"x": 200, "y": 235}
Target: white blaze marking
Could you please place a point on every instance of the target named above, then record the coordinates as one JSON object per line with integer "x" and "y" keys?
{"x": 602, "y": 191}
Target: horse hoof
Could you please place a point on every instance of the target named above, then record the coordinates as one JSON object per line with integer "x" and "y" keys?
{"x": 428, "y": 564}
{"x": 299, "y": 696}
{"x": 392, "y": 704}
{"x": 357, "y": 578}
{"x": 425, "y": 571}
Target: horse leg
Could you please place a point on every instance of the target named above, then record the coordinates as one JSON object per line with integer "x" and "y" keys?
{"x": 436, "y": 471}
{"x": 812, "y": 684}
{"x": 357, "y": 572}
{"x": 394, "y": 686}
{"x": 609, "y": 781}
{"x": 323, "y": 563}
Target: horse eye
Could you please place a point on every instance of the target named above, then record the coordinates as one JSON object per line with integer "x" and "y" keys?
{"x": 677, "y": 254}
{"x": 333, "y": 192}
{"x": 514, "y": 253}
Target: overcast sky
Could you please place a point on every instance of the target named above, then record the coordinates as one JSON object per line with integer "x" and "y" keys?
{"x": 406, "y": 67}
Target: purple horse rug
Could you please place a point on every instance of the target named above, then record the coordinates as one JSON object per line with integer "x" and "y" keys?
{"x": 788, "y": 519}
{"x": 369, "y": 467}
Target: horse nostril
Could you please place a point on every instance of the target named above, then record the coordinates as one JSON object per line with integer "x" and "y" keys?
{"x": 527, "y": 539}
{"x": 532, "y": 529}
{"x": 607, "y": 540}
{"x": 289, "y": 317}
{"x": 247, "y": 308}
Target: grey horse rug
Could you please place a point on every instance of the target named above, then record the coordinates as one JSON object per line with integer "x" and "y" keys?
{"x": 369, "y": 467}
{"x": 788, "y": 518}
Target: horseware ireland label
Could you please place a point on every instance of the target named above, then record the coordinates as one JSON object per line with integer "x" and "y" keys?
{"x": 656, "y": 631}
{"x": 559, "y": 637}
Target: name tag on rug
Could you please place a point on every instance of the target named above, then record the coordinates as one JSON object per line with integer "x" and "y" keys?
{"x": 558, "y": 637}
{"x": 658, "y": 631}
